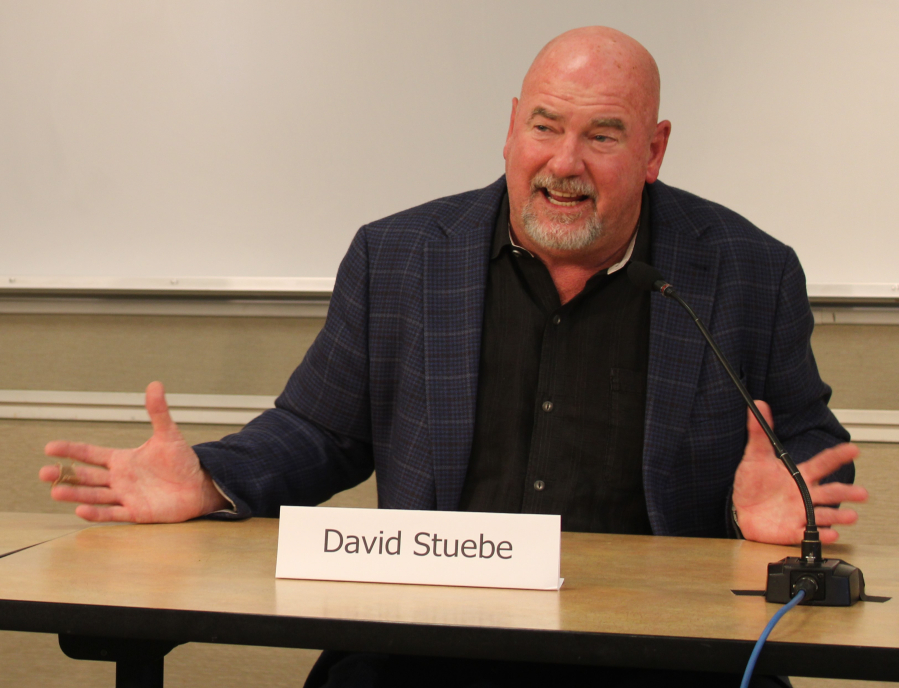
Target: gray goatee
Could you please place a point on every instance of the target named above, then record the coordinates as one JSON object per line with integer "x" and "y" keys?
{"x": 555, "y": 231}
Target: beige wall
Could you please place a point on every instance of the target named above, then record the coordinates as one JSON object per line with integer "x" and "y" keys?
{"x": 861, "y": 363}
{"x": 240, "y": 355}
{"x": 122, "y": 353}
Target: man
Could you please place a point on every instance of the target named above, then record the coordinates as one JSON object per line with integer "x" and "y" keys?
{"x": 485, "y": 351}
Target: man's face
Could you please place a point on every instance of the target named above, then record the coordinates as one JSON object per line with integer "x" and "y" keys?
{"x": 580, "y": 146}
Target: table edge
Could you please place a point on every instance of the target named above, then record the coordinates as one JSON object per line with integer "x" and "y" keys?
{"x": 538, "y": 645}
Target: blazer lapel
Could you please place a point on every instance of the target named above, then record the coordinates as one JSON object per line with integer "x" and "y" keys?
{"x": 455, "y": 274}
{"x": 676, "y": 347}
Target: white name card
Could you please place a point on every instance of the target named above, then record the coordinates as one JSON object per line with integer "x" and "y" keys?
{"x": 423, "y": 547}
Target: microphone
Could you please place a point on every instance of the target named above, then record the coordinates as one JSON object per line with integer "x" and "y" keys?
{"x": 837, "y": 583}
{"x": 646, "y": 278}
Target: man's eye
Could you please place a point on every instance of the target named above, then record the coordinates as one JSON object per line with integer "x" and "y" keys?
{"x": 601, "y": 138}
{"x": 541, "y": 127}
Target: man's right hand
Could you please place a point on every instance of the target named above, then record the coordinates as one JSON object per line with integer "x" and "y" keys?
{"x": 159, "y": 482}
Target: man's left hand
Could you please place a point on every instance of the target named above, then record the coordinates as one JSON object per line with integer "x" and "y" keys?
{"x": 768, "y": 503}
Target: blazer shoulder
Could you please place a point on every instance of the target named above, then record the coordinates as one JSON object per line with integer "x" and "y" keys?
{"x": 440, "y": 217}
{"x": 714, "y": 223}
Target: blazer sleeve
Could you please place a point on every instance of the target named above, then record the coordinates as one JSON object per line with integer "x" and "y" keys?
{"x": 317, "y": 440}
{"x": 793, "y": 386}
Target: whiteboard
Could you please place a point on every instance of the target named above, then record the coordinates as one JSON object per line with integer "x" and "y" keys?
{"x": 227, "y": 144}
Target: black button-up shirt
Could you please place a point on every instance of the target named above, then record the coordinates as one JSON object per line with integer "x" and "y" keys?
{"x": 561, "y": 393}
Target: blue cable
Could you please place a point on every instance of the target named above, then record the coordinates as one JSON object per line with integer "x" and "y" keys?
{"x": 756, "y": 651}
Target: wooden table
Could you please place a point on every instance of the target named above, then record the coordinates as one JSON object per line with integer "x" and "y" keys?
{"x": 20, "y": 531}
{"x": 627, "y": 601}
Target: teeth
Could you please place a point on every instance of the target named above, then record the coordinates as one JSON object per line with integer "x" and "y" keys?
{"x": 555, "y": 202}
{"x": 556, "y": 198}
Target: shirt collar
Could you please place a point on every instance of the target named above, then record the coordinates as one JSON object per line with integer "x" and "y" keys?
{"x": 627, "y": 254}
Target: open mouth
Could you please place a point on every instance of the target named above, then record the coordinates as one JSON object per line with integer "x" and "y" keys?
{"x": 563, "y": 199}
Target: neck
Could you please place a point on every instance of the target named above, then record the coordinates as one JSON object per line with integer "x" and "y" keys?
{"x": 570, "y": 270}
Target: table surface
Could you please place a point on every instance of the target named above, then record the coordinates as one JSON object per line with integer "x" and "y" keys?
{"x": 19, "y": 531}
{"x": 627, "y": 600}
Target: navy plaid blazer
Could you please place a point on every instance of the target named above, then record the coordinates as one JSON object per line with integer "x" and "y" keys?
{"x": 390, "y": 384}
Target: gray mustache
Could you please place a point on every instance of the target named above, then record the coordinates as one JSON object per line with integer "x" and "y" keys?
{"x": 564, "y": 185}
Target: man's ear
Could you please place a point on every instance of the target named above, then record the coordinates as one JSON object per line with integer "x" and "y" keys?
{"x": 511, "y": 127}
{"x": 657, "y": 147}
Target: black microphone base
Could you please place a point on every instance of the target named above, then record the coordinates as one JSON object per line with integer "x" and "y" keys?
{"x": 839, "y": 584}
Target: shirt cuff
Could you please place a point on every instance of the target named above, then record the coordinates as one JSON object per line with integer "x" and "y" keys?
{"x": 233, "y": 510}
{"x": 734, "y": 522}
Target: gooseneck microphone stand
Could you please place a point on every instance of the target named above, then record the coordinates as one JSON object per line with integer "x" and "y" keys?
{"x": 829, "y": 582}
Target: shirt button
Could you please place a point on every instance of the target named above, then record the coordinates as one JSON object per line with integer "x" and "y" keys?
{"x": 547, "y": 406}
{"x": 557, "y": 319}
{"x": 539, "y": 485}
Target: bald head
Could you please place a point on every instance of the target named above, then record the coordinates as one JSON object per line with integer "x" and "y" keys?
{"x": 596, "y": 54}
{"x": 584, "y": 138}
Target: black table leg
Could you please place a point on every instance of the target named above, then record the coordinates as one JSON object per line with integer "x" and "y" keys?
{"x": 147, "y": 673}
{"x": 139, "y": 663}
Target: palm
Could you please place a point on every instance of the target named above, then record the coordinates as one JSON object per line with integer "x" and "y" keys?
{"x": 155, "y": 482}
{"x": 768, "y": 502}
{"x": 159, "y": 482}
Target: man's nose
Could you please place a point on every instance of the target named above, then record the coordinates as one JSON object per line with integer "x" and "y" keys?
{"x": 567, "y": 159}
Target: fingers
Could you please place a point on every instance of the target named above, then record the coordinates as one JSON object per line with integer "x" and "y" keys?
{"x": 84, "y": 475}
{"x": 825, "y": 517}
{"x": 828, "y": 516}
{"x": 96, "y": 502}
{"x": 826, "y": 462}
{"x": 83, "y": 495}
{"x": 48, "y": 474}
{"x": 158, "y": 409}
{"x": 828, "y": 536}
{"x": 837, "y": 493}
{"x": 766, "y": 414}
{"x": 103, "y": 513}
{"x": 78, "y": 451}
